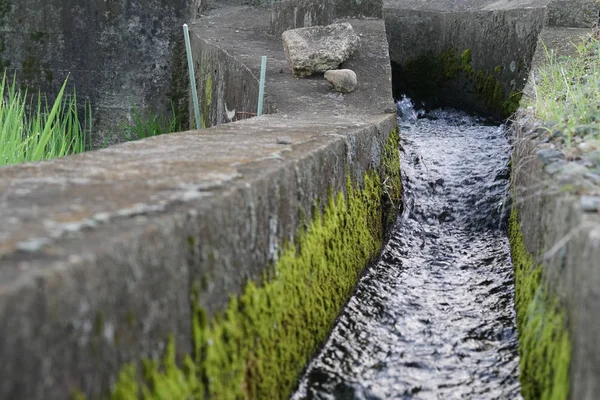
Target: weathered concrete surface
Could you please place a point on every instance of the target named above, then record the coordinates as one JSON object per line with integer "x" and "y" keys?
{"x": 292, "y": 14}
{"x": 559, "y": 233}
{"x": 114, "y": 52}
{"x": 98, "y": 252}
{"x": 573, "y": 13}
{"x": 500, "y": 37}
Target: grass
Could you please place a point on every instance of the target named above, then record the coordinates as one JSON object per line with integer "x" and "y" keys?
{"x": 145, "y": 124}
{"x": 34, "y": 131}
{"x": 567, "y": 90}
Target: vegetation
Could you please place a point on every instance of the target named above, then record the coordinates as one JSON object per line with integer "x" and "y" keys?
{"x": 565, "y": 89}
{"x": 544, "y": 343}
{"x": 34, "y": 131}
{"x": 144, "y": 124}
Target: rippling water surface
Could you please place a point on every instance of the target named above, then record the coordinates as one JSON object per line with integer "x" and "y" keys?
{"x": 434, "y": 318}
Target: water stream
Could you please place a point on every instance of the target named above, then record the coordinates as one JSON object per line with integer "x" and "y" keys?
{"x": 434, "y": 318}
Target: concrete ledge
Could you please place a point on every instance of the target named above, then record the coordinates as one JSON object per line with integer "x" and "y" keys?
{"x": 100, "y": 251}
{"x": 564, "y": 241}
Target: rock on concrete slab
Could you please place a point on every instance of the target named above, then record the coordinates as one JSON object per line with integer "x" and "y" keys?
{"x": 343, "y": 80}
{"x": 319, "y": 48}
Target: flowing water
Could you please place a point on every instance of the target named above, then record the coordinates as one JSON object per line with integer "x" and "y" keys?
{"x": 434, "y": 318}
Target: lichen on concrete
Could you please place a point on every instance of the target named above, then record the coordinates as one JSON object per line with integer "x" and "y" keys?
{"x": 544, "y": 344}
{"x": 257, "y": 348}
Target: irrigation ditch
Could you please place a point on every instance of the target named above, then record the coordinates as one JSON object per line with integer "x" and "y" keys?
{"x": 223, "y": 262}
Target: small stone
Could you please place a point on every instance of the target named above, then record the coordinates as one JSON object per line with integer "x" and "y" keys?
{"x": 343, "y": 80}
{"x": 554, "y": 167}
{"x": 572, "y": 172}
{"x": 595, "y": 178}
{"x": 594, "y": 157}
{"x": 284, "y": 140}
{"x": 586, "y": 129}
{"x": 548, "y": 155}
{"x": 590, "y": 203}
{"x": 557, "y": 134}
{"x": 589, "y": 145}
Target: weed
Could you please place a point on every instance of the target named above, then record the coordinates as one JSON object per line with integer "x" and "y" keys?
{"x": 565, "y": 89}
{"x": 144, "y": 124}
{"x": 35, "y": 131}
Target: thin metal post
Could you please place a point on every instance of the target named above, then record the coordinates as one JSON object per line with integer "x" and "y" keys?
{"x": 261, "y": 89}
{"x": 188, "y": 50}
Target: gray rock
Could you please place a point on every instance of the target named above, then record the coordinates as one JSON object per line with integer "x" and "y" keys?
{"x": 572, "y": 172}
{"x": 594, "y": 177}
{"x": 590, "y": 203}
{"x": 284, "y": 140}
{"x": 317, "y": 49}
{"x": 554, "y": 167}
{"x": 589, "y": 145}
{"x": 343, "y": 80}
{"x": 558, "y": 134}
{"x": 594, "y": 157}
{"x": 583, "y": 130}
{"x": 548, "y": 155}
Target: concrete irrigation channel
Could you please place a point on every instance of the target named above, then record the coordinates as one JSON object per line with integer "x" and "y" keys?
{"x": 214, "y": 263}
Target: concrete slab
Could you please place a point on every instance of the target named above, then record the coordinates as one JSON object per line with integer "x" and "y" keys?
{"x": 463, "y": 5}
{"x": 244, "y": 34}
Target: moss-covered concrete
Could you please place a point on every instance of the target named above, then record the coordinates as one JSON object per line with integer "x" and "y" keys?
{"x": 544, "y": 344}
{"x": 427, "y": 75}
{"x": 490, "y": 90}
{"x": 257, "y": 348}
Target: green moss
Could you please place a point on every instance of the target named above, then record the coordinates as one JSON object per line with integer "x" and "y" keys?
{"x": 130, "y": 320}
{"x": 511, "y": 104}
{"x": 429, "y": 72}
{"x": 207, "y": 102}
{"x": 450, "y": 65}
{"x": 392, "y": 183}
{"x": 544, "y": 344}
{"x": 31, "y": 68}
{"x": 490, "y": 90}
{"x": 99, "y": 324}
{"x": 258, "y": 347}
{"x": 179, "y": 89}
{"x": 48, "y": 73}
{"x": 77, "y": 395}
{"x": 465, "y": 59}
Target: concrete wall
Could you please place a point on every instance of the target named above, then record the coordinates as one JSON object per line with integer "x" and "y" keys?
{"x": 472, "y": 57}
{"x": 560, "y": 234}
{"x": 292, "y": 14}
{"x": 115, "y": 52}
{"x": 100, "y": 253}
